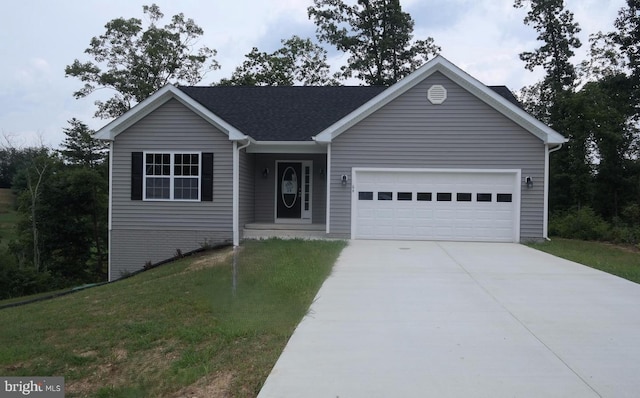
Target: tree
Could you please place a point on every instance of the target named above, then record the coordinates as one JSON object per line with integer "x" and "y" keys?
{"x": 88, "y": 170}
{"x": 605, "y": 59}
{"x": 552, "y": 99}
{"x": 628, "y": 38}
{"x": 80, "y": 148}
{"x": 13, "y": 158}
{"x": 135, "y": 62}
{"x": 29, "y": 182}
{"x": 299, "y": 61}
{"x": 557, "y": 31}
{"x": 376, "y": 34}
{"x": 62, "y": 204}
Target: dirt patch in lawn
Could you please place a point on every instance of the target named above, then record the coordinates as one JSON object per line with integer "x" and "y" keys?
{"x": 624, "y": 247}
{"x": 215, "y": 385}
{"x": 213, "y": 259}
{"x": 120, "y": 368}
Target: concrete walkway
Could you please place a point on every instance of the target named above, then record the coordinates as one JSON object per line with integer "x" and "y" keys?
{"x": 449, "y": 319}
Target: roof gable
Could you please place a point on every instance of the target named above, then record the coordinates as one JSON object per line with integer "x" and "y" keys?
{"x": 494, "y": 96}
{"x": 160, "y": 97}
{"x": 281, "y": 114}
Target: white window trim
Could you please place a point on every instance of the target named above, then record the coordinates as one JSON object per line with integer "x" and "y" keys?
{"x": 171, "y": 176}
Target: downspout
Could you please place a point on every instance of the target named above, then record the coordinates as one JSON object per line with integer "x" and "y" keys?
{"x": 236, "y": 190}
{"x": 545, "y": 225}
{"x": 328, "y": 178}
{"x": 110, "y": 215}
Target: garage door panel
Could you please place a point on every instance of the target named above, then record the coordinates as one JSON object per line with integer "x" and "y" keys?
{"x": 414, "y": 210}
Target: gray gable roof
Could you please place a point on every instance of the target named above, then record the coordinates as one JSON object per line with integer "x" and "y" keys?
{"x": 288, "y": 113}
{"x": 279, "y": 113}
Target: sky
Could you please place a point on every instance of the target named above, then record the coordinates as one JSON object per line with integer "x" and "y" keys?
{"x": 38, "y": 38}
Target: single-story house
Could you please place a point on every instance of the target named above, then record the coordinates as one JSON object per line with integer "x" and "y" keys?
{"x": 436, "y": 156}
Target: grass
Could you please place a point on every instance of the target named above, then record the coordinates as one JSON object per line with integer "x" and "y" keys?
{"x": 177, "y": 330}
{"x": 617, "y": 260}
{"x": 8, "y": 216}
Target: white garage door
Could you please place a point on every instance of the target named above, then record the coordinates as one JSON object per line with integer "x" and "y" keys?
{"x": 462, "y": 205}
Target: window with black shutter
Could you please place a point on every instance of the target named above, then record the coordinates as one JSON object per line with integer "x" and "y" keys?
{"x": 178, "y": 176}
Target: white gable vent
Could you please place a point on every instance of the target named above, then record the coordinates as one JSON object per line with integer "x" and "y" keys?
{"x": 437, "y": 94}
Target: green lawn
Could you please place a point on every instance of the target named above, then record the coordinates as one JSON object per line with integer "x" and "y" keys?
{"x": 8, "y": 216}
{"x": 617, "y": 260}
{"x": 177, "y": 330}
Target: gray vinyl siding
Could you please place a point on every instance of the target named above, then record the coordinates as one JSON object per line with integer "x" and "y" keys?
{"x": 463, "y": 132}
{"x": 133, "y": 248}
{"x": 247, "y": 188}
{"x": 265, "y": 187}
{"x": 141, "y": 228}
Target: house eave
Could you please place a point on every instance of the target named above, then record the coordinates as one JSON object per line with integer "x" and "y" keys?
{"x": 308, "y": 147}
{"x": 516, "y": 114}
{"x": 457, "y": 75}
{"x": 153, "y": 102}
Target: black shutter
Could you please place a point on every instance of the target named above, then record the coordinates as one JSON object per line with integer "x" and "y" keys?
{"x": 206, "y": 180}
{"x": 136, "y": 175}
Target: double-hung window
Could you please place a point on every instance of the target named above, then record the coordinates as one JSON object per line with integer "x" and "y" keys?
{"x": 172, "y": 176}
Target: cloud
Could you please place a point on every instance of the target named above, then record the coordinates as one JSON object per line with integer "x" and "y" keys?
{"x": 484, "y": 37}
{"x": 35, "y": 74}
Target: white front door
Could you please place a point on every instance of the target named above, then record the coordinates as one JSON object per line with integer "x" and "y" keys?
{"x": 293, "y": 191}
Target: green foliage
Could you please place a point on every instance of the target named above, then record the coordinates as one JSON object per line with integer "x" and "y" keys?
{"x": 62, "y": 200}
{"x": 299, "y": 61}
{"x": 13, "y": 159}
{"x": 80, "y": 148}
{"x": 376, "y": 34}
{"x": 622, "y": 261}
{"x": 627, "y": 37}
{"x": 8, "y": 218}
{"x": 557, "y": 31}
{"x": 586, "y": 224}
{"x": 604, "y": 58}
{"x": 135, "y": 61}
{"x": 598, "y": 167}
{"x": 16, "y": 281}
{"x": 582, "y": 224}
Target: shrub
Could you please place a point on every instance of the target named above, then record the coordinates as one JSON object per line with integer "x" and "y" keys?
{"x": 15, "y": 281}
{"x": 626, "y": 228}
{"x": 582, "y": 224}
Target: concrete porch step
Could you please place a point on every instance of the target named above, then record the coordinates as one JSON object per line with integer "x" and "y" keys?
{"x": 285, "y": 231}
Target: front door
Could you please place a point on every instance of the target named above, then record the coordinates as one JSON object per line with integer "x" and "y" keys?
{"x": 293, "y": 192}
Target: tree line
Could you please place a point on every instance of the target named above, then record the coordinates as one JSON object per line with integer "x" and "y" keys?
{"x": 62, "y": 195}
{"x": 595, "y": 177}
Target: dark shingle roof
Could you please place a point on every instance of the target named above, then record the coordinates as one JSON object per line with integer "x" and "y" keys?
{"x": 504, "y": 92}
{"x": 296, "y": 113}
{"x": 282, "y": 113}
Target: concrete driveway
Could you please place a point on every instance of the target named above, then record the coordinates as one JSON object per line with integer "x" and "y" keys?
{"x": 450, "y": 319}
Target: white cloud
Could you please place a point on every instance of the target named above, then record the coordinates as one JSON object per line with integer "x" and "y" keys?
{"x": 483, "y": 37}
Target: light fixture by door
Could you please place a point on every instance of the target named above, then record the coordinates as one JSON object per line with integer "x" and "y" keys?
{"x": 529, "y": 181}
{"x": 344, "y": 179}
{"x": 265, "y": 172}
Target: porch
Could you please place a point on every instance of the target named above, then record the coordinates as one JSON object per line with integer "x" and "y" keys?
{"x": 284, "y": 231}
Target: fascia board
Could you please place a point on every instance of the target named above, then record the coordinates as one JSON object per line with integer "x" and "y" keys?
{"x": 308, "y": 147}
{"x": 138, "y": 112}
{"x": 442, "y": 65}
{"x": 504, "y": 106}
{"x": 377, "y": 102}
